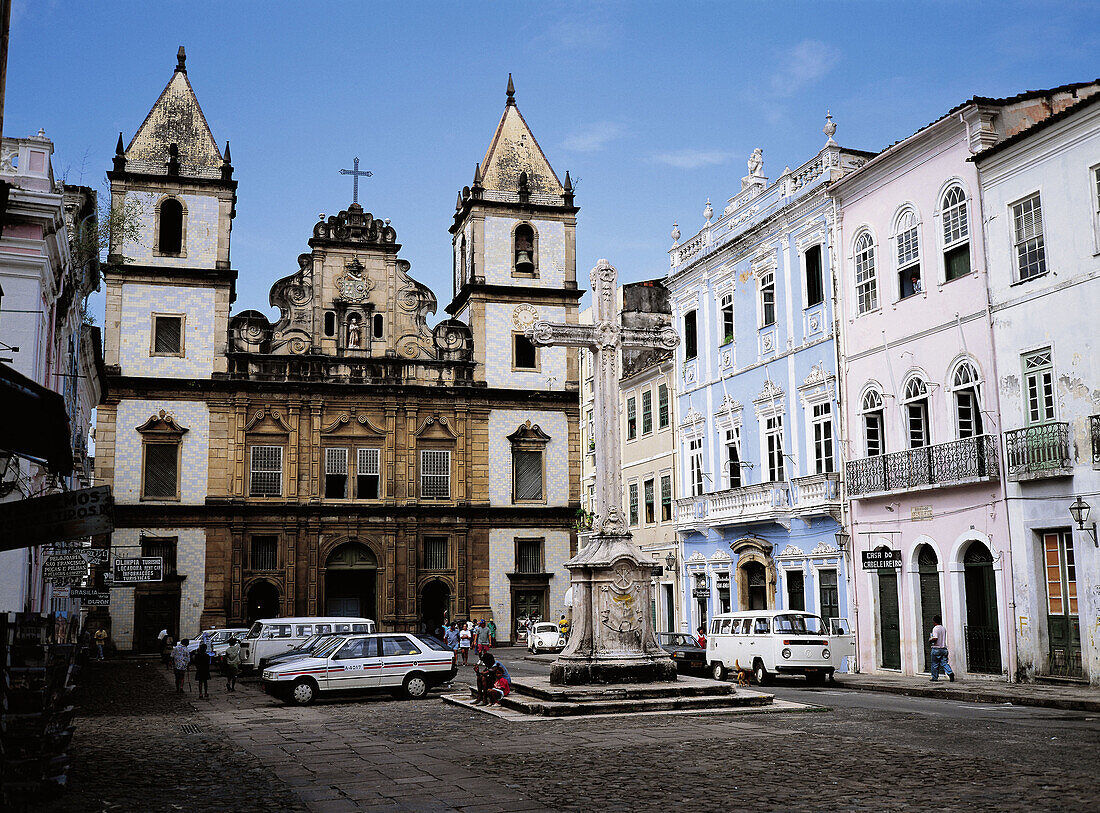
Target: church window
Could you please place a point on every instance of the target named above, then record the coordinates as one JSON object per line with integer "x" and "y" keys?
{"x": 727, "y": 319}
{"x": 336, "y": 473}
{"x": 368, "y": 474}
{"x": 170, "y": 227}
{"x": 815, "y": 287}
{"x": 524, "y": 259}
{"x": 527, "y": 474}
{"x": 647, "y": 412}
{"x": 330, "y": 323}
{"x": 525, "y": 354}
{"x": 631, "y": 418}
{"x": 435, "y": 474}
{"x": 435, "y": 553}
{"x": 662, "y": 406}
{"x": 462, "y": 261}
{"x": 767, "y": 299}
{"x": 264, "y": 552}
{"x": 266, "y": 471}
{"x": 167, "y": 335}
{"x": 161, "y": 475}
{"x": 907, "y": 239}
{"x": 378, "y": 326}
{"x": 691, "y": 339}
{"x": 956, "y": 234}
{"x": 866, "y": 282}
{"x": 529, "y": 555}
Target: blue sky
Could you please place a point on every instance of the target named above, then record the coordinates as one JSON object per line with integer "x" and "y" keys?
{"x": 652, "y": 107}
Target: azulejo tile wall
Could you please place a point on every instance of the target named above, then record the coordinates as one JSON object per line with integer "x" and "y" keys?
{"x": 502, "y": 561}
{"x": 190, "y": 564}
{"x": 194, "y": 458}
{"x": 139, "y": 303}
{"x": 498, "y": 252}
{"x": 200, "y": 244}
{"x": 498, "y": 351}
{"x": 502, "y": 423}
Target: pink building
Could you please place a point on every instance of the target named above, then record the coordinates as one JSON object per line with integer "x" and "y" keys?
{"x": 926, "y": 509}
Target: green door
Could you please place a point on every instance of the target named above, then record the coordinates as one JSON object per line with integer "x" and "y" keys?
{"x": 1063, "y": 623}
{"x": 929, "y": 577}
{"x": 889, "y": 619}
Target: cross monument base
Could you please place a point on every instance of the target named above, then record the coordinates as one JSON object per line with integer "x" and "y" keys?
{"x": 611, "y": 638}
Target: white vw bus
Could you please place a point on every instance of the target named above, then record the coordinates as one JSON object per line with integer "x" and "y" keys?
{"x": 270, "y": 636}
{"x": 777, "y": 642}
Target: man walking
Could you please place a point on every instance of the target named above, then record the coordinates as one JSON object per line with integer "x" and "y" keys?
{"x": 100, "y": 640}
{"x": 939, "y": 650}
{"x": 181, "y": 659}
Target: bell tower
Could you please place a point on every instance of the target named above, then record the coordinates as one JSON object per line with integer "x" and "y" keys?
{"x": 515, "y": 259}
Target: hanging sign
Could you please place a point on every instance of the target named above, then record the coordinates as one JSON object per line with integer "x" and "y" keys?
{"x": 90, "y": 597}
{"x": 139, "y": 569}
{"x": 95, "y": 556}
{"x": 61, "y": 566}
{"x": 56, "y": 517}
{"x": 889, "y": 559}
{"x": 700, "y": 592}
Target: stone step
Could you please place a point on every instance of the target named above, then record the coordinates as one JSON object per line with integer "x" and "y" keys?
{"x": 685, "y": 687}
{"x": 544, "y": 708}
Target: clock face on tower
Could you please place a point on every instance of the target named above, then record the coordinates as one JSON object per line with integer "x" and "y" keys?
{"x": 524, "y": 316}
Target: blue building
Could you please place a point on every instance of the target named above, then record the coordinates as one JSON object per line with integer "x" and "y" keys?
{"x": 760, "y": 503}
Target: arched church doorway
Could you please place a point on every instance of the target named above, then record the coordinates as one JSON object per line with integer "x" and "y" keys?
{"x": 262, "y": 601}
{"x": 756, "y": 584}
{"x": 351, "y": 577}
{"x": 983, "y": 637}
{"x": 435, "y": 605}
{"x": 928, "y": 578}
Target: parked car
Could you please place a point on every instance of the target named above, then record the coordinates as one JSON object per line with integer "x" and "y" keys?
{"x": 684, "y": 650}
{"x": 771, "y": 642}
{"x": 217, "y": 641}
{"x": 270, "y": 636}
{"x": 402, "y": 663}
{"x": 545, "y": 637}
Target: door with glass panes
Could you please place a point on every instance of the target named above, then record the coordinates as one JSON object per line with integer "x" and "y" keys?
{"x": 1063, "y": 623}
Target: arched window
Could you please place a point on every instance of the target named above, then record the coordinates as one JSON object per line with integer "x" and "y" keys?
{"x": 968, "y": 413}
{"x": 170, "y": 231}
{"x": 956, "y": 234}
{"x": 866, "y": 283}
{"x": 767, "y": 298}
{"x": 907, "y": 241}
{"x": 916, "y": 412}
{"x": 873, "y": 436}
{"x": 462, "y": 261}
{"x": 524, "y": 260}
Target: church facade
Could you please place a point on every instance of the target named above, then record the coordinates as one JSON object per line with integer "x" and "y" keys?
{"x": 347, "y": 458}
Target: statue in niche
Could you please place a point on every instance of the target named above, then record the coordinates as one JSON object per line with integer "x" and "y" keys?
{"x": 354, "y": 331}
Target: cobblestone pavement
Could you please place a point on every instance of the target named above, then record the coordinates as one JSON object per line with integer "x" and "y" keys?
{"x": 376, "y": 753}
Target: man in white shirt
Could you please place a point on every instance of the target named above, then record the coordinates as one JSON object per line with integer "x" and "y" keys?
{"x": 938, "y": 638}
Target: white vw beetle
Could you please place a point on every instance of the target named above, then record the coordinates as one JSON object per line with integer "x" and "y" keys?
{"x": 396, "y": 662}
{"x": 545, "y": 637}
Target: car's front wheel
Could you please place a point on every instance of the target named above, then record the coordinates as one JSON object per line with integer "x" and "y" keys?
{"x": 718, "y": 671}
{"x": 760, "y": 672}
{"x": 303, "y": 692}
{"x": 415, "y": 686}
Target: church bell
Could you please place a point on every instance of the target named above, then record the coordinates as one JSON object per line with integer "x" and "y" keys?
{"x": 524, "y": 263}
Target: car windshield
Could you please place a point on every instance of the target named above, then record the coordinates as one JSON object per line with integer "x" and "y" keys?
{"x": 539, "y": 628}
{"x": 434, "y": 643}
{"x": 681, "y": 640}
{"x": 325, "y": 647}
{"x": 309, "y": 643}
{"x": 255, "y": 631}
{"x": 800, "y": 623}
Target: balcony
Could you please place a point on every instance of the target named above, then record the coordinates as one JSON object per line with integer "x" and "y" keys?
{"x": 1094, "y": 433}
{"x": 959, "y": 462}
{"x": 1039, "y": 451}
{"x": 764, "y": 501}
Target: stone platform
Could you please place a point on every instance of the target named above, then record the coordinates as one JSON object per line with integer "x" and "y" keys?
{"x": 538, "y": 697}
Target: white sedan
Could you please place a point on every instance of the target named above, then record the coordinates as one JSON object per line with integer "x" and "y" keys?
{"x": 545, "y": 637}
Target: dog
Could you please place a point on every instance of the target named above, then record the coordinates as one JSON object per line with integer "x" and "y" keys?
{"x": 743, "y": 674}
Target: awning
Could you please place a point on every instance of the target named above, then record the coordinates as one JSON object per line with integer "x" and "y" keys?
{"x": 33, "y": 422}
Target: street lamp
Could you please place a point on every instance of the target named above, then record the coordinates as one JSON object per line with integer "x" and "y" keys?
{"x": 670, "y": 561}
{"x": 1079, "y": 511}
{"x": 842, "y": 539}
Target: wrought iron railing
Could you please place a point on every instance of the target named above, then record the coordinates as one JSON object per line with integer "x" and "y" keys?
{"x": 983, "y": 649}
{"x": 1094, "y": 433}
{"x": 959, "y": 461}
{"x": 1038, "y": 450}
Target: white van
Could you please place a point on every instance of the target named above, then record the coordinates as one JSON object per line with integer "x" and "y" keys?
{"x": 777, "y": 642}
{"x": 270, "y": 636}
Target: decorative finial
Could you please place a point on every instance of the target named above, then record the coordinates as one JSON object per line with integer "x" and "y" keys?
{"x": 511, "y": 91}
{"x": 458, "y": 203}
{"x": 228, "y": 157}
{"x": 708, "y": 211}
{"x": 181, "y": 60}
{"x": 568, "y": 182}
{"x": 675, "y": 234}
{"x": 477, "y": 174}
{"x": 829, "y": 129}
{"x": 41, "y": 132}
{"x": 321, "y": 217}
{"x": 119, "y": 149}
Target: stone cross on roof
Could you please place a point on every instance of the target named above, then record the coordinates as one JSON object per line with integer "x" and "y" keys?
{"x": 603, "y": 339}
{"x": 355, "y": 173}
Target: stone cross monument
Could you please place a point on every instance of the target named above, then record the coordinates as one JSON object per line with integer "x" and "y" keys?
{"x": 612, "y": 638}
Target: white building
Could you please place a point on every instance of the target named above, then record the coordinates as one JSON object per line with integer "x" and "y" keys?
{"x": 1040, "y": 191}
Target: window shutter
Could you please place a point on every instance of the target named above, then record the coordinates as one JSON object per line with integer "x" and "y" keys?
{"x": 161, "y": 470}
{"x": 336, "y": 461}
{"x": 528, "y": 474}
